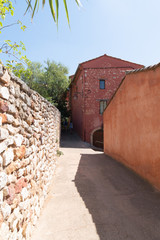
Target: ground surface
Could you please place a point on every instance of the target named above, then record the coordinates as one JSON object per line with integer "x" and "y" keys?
{"x": 93, "y": 197}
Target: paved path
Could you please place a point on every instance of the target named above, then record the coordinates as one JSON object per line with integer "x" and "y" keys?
{"x": 94, "y": 197}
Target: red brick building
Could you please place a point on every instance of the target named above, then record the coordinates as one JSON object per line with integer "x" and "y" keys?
{"x": 92, "y": 86}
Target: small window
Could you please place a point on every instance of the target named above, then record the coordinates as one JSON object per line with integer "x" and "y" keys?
{"x": 102, "y": 84}
{"x": 103, "y": 105}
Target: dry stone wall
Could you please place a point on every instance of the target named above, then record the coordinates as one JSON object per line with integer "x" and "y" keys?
{"x": 29, "y": 140}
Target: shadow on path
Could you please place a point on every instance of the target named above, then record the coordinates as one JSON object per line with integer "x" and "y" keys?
{"x": 122, "y": 205}
{"x": 72, "y": 140}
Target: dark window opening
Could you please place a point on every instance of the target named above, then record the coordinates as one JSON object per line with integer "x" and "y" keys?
{"x": 102, "y": 84}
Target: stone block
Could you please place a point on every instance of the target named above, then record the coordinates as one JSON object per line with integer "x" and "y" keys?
{"x": 9, "y": 141}
{"x": 29, "y": 120}
{"x": 11, "y": 178}
{"x": 8, "y": 156}
{"x": 13, "y": 226}
{"x": 18, "y": 139}
{"x": 16, "y": 201}
{"x": 24, "y": 194}
{"x": 26, "y": 142}
{"x": 6, "y": 210}
{"x": 25, "y": 162}
{"x": 17, "y": 104}
{"x": 5, "y": 192}
{"x": 3, "y": 180}
{"x": 27, "y": 229}
{"x": 4, "y": 117}
{"x": 24, "y": 87}
{"x": 4, "y": 93}
{"x": 17, "y": 213}
{"x": 28, "y": 152}
{"x": 12, "y": 109}
{"x": 20, "y": 152}
{"x": 25, "y": 125}
{"x": 12, "y": 130}
{"x": 12, "y": 90}
{"x": 17, "y": 91}
{"x": 3, "y": 106}
{"x": 12, "y": 99}
{"x": 16, "y": 123}
{"x": 11, "y": 195}
{"x": 24, "y": 107}
{"x": 3, "y": 133}
{"x": 10, "y": 118}
{"x": 5, "y": 78}
{"x": 11, "y": 168}
{"x": 3, "y": 147}
{"x": 20, "y": 172}
{"x": 21, "y": 183}
{"x": 4, "y": 231}
{"x": 28, "y": 101}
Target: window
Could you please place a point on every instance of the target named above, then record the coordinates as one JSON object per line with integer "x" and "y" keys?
{"x": 103, "y": 104}
{"x": 102, "y": 84}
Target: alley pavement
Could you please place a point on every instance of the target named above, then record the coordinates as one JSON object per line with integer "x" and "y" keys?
{"x": 93, "y": 197}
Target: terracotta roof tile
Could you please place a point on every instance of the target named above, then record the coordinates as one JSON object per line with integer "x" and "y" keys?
{"x": 143, "y": 69}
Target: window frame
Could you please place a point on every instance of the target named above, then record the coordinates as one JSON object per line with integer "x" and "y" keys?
{"x": 102, "y": 80}
{"x": 104, "y": 106}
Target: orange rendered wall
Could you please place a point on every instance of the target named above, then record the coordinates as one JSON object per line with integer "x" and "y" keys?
{"x": 132, "y": 124}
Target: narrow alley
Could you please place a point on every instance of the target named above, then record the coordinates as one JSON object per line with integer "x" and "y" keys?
{"x": 93, "y": 197}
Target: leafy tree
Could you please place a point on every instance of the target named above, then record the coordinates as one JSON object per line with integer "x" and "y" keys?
{"x": 13, "y": 50}
{"x": 30, "y": 74}
{"x": 50, "y": 80}
{"x": 55, "y": 80}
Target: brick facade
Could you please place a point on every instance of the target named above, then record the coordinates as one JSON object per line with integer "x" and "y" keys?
{"x": 85, "y": 92}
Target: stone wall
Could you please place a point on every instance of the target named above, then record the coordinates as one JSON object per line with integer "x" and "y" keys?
{"x": 29, "y": 140}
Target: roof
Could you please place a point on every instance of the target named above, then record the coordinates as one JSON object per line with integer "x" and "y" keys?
{"x": 143, "y": 69}
{"x": 105, "y": 61}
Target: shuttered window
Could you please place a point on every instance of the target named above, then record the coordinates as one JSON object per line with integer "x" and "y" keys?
{"x": 103, "y": 104}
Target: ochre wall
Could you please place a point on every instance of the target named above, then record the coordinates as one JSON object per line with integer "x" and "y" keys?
{"x": 132, "y": 124}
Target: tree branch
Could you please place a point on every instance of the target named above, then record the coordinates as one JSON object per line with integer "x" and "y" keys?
{"x": 13, "y": 55}
{"x": 8, "y": 25}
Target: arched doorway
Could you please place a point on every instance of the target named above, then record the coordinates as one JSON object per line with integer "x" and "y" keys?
{"x": 97, "y": 138}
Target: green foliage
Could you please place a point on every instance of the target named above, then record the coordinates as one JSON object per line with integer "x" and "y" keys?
{"x": 59, "y": 153}
{"x": 5, "y": 8}
{"x": 12, "y": 49}
{"x": 55, "y": 80}
{"x": 30, "y": 74}
{"x": 55, "y": 13}
{"x": 50, "y": 80}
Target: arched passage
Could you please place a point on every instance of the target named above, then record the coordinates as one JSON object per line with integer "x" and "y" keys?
{"x": 97, "y": 138}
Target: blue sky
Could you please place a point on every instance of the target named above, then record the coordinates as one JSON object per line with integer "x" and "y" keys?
{"x": 127, "y": 29}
